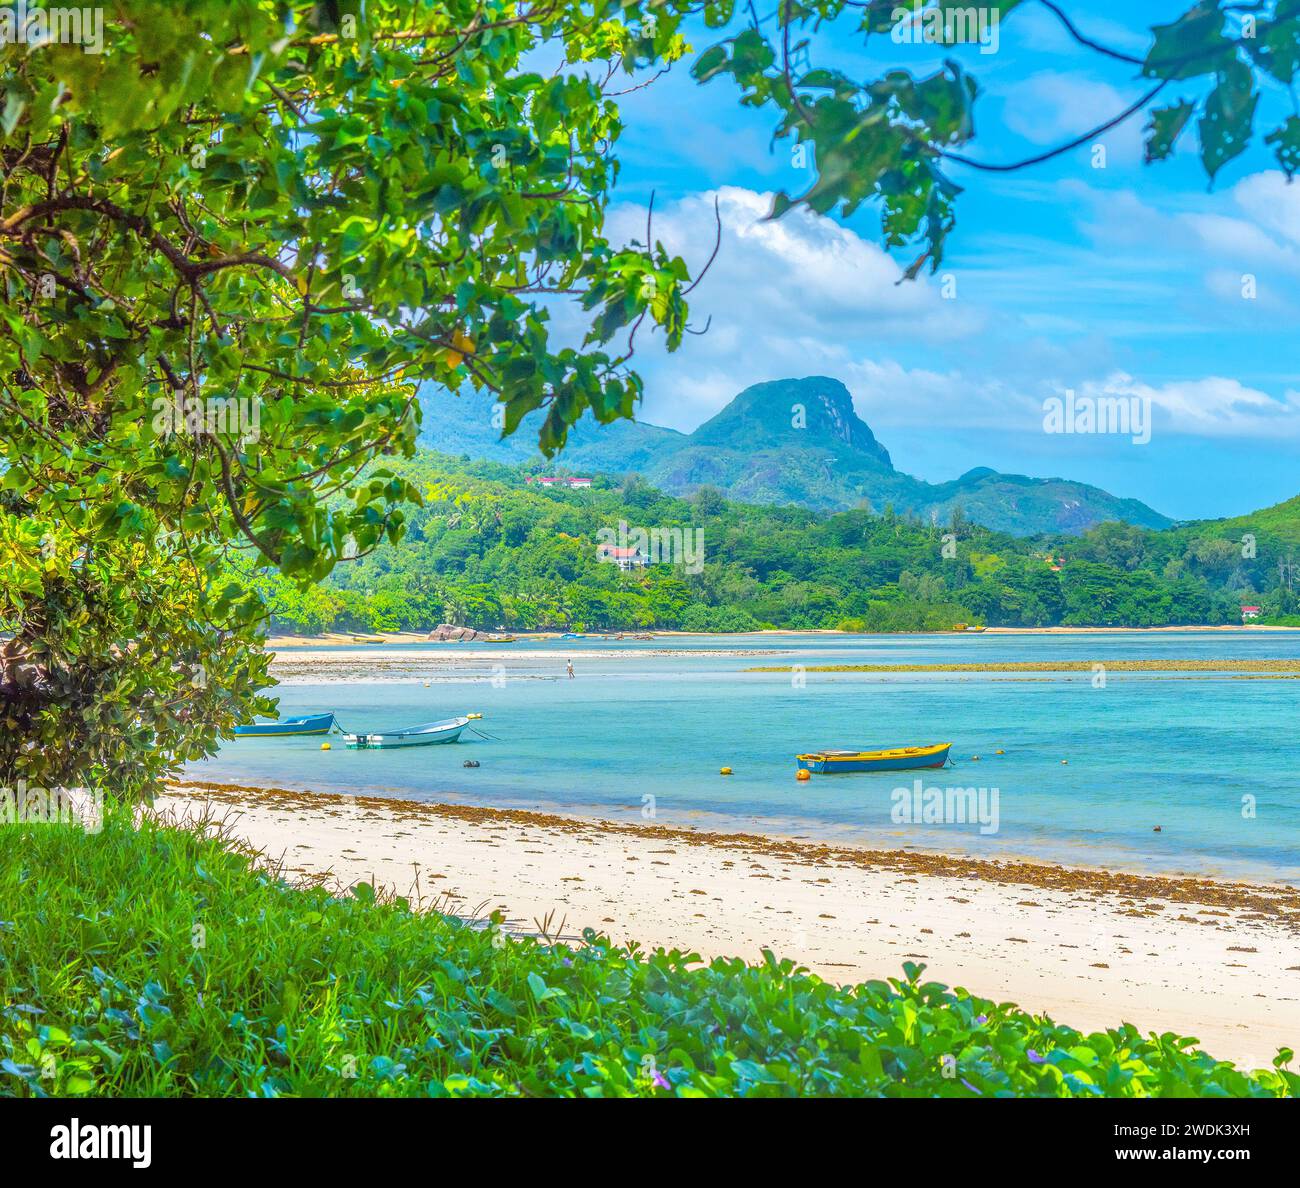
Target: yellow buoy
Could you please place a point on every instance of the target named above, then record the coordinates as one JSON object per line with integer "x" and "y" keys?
{"x": 802, "y": 774}
{"x": 324, "y": 746}
{"x": 473, "y": 715}
{"x": 725, "y": 771}
{"x": 999, "y": 752}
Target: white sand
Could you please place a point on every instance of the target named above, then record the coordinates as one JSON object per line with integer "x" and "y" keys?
{"x": 1225, "y": 971}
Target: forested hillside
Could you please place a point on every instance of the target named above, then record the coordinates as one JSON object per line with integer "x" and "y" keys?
{"x": 490, "y": 550}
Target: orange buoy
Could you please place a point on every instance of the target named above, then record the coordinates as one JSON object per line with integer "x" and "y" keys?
{"x": 802, "y": 774}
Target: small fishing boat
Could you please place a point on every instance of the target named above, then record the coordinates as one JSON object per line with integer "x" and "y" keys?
{"x": 501, "y": 639}
{"x": 303, "y": 724}
{"x": 892, "y": 759}
{"x": 411, "y": 736}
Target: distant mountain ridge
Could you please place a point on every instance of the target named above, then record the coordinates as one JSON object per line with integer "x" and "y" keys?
{"x": 790, "y": 441}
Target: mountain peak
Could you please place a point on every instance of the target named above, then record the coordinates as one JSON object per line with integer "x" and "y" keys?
{"x": 795, "y": 441}
{"x": 814, "y": 411}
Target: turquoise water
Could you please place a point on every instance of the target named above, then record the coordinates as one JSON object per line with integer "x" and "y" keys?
{"x": 658, "y": 719}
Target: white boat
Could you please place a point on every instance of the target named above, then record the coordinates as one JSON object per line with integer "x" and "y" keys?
{"x": 410, "y": 736}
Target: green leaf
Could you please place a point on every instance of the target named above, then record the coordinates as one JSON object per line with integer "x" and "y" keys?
{"x": 363, "y": 893}
{"x": 1165, "y": 126}
{"x": 14, "y": 107}
{"x": 1286, "y": 142}
{"x": 1225, "y": 126}
{"x": 1190, "y": 46}
{"x": 750, "y": 1071}
{"x": 710, "y": 63}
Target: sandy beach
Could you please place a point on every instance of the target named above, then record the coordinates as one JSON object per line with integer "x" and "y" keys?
{"x": 1212, "y": 959}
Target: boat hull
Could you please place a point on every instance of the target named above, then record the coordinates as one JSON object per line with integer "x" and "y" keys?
{"x": 896, "y": 759}
{"x": 433, "y": 735}
{"x": 304, "y": 725}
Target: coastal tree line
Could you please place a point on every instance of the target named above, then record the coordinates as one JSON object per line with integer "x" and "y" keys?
{"x": 488, "y": 550}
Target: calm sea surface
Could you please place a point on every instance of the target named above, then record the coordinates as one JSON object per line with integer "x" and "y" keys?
{"x": 1214, "y": 760}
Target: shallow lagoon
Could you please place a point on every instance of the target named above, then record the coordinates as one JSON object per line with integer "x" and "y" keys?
{"x": 658, "y": 719}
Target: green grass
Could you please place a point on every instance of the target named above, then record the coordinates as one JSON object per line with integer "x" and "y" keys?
{"x": 161, "y": 962}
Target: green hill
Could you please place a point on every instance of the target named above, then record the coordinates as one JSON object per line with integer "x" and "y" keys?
{"x": 791, "y": 441}
{"x": 1281, "y": 521}
{"x": 490, "y": 550}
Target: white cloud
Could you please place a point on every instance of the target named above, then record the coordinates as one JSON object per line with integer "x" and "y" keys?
{"x": 800, "y": 273}
{"x": 803, "y": 295}
{"x": 1272, "y": 203}
{"x": 1214, "y": 241}
{"x": 782, "y": 298}
{"x": 1232, "y": 237}
{"x": 1054, "y": 107}
{"x": 889, "y": 395}
{"x": 1211, "y": 407}
{"x": 1269, "y": 232}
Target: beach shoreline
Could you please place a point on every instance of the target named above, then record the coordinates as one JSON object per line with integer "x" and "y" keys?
{"x": 346, "y": 638}
{"x": 1211, "y": 958}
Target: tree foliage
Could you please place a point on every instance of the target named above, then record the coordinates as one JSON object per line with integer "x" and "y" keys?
{"x": 232, "y": 245}
{"x": 491, "y": 552}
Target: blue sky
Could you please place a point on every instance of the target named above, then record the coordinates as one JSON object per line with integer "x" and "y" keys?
{"x": 1124, "y": 279}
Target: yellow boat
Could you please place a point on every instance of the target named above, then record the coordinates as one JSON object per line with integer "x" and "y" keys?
{"x": 892, "y": 759}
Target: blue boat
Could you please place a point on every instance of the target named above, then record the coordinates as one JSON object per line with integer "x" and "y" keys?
{"x": 303, "y": 724}
{"x": 893, "y": 759}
